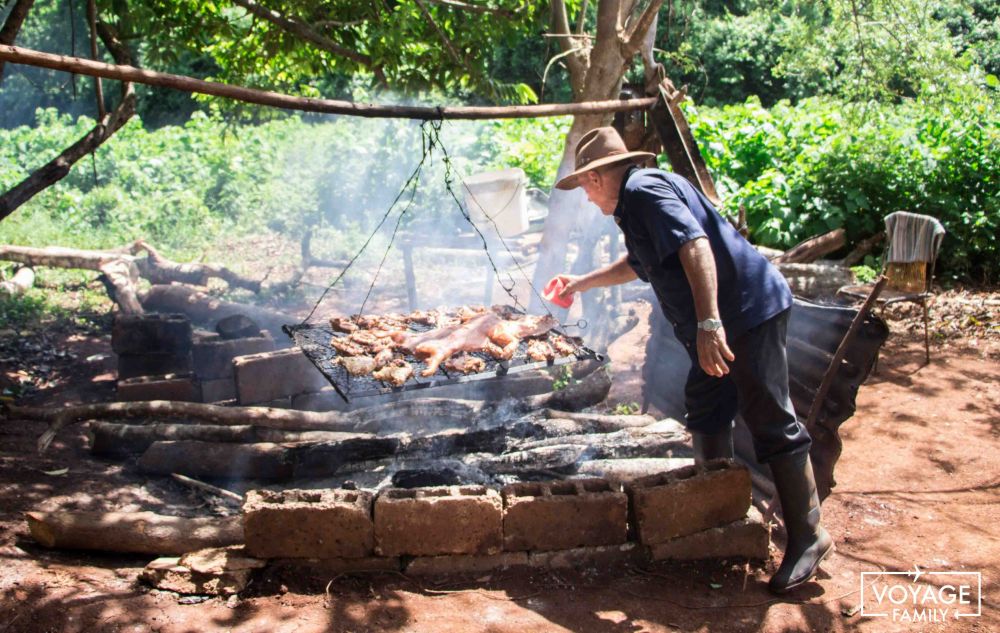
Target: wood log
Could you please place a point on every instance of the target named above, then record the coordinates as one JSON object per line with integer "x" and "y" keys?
{"x": 133, "y": 532}
{"x": 601, "y": 422}
{"x": 814, "y": 248}
{"x": 157, "y": 269}
{"x": 815, "y": 280}
{"x": 263, "y": 460}
{"x": 554, "y": 458}
{"x": 618, "y": 445}
{"x": 20, "y": 283}
{"x": 863, "y": 248}
{"x": 204, "y": 309}
{"x": 415, "y": 413}
{"x": 20, "y": 55}
{"x": 202, "y": 486}
{"x": 112, "y": 439}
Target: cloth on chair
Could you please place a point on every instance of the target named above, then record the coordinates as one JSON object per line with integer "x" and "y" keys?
{"x": 912, "y": 237}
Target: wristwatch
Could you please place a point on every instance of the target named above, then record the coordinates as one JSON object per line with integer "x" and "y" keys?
{"x": 710, "y": 325}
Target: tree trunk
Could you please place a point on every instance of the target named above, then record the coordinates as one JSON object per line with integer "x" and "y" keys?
{"x": 133, "y": 532}
{"x": 58, "y": 168}
{"x": 202, "y": 308}
{"x": 13, "y": 25}
{"x": 814, "y": 248}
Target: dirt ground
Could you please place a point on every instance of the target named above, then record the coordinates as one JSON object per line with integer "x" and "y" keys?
{"x": 917, "y": 485}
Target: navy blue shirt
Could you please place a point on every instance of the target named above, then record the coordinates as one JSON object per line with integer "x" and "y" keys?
{"x": 660, "y": 211}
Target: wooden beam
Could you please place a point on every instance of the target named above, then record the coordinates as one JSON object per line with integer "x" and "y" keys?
{"x": 19, "y": 55}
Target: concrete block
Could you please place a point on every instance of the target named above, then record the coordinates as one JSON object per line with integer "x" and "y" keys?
{"x": 218, "y": 389}
{"x": 326, "y": 399}
{"x": 176, "y": 387}
{"x": 748, "y": 537}
{"x": 272, "y": 375}
{"x": 330, "y": 567}
{"x": 443, "y": 565}
{"x": 585, "y": 557}
{"x": 134, "y": 365}
{"x": 436, "y": 521}
{"x": 563, "y": 515}
{"x": 213, "y": 356}
{"x": 308, "y": 524}
{"x": 688, "y": 500}
{"x": 151, "y": 333}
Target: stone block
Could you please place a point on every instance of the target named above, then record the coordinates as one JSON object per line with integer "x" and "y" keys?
{"x": 748, "y": 537}
{"x": 585, "y": 557}
{"x": 688, "y": 500}
{"x": 151, "y": 333}
{"x": 308, "y": 524}
{"x": 326, "y": 399}
{"x": 176, "y": 387}
{"x": 219, "y": 571}
{"x": 218, "y": 389}
{"x": 563, "y": 515}
{"x": 213, "y": 356}
{"x": 272, "y": 375}
{"x": 443, "y": 565}
{"x": 438, "y": 521}
{"x": 134, "y": 365}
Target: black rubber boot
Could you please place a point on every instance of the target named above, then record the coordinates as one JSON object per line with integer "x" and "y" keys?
{"x": 808, "y": 542}
{"x": 712, "y": 446}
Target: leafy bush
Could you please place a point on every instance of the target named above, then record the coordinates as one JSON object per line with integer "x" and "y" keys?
{"x": 804, "y": 170}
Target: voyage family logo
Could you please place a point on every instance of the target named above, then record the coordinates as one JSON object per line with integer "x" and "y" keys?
{"x": 921, "y": 596}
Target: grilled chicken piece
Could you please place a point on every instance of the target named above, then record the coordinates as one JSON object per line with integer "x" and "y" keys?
{"x": 563, "y": 346}
{"x": 396, "y": 373}
{"x": 357, "y": 365}
{"x": 383, "y": 358}
{"x": 465, "y": 364}
{"x": 346, "y": 347}
{"x": 502, "y": 353}
{"x": 424, "y": 318}
{"x": 343, "y": 324}
{"x": 540, "y": 350}
{"x": 467, "y": 313}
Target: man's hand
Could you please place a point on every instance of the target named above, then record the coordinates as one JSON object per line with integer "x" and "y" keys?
{"x": 713, "y": 352}
{"x": 573, "y": 284}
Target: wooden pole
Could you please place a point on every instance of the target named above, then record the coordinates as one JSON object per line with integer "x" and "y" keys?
{"x": 19, "y": 55}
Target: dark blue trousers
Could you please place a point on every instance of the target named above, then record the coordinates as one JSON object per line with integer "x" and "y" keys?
{"x": 756, "y": 387}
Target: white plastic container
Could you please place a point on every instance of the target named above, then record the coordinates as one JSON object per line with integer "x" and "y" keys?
{"x": 499, "y": 196}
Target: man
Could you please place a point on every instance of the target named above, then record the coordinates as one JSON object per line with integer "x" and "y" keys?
{"x": 729, "y": 307}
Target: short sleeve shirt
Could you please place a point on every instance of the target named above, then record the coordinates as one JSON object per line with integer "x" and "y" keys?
{"x": 658, "y": 212}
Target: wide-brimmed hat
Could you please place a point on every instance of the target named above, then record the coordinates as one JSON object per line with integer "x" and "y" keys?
{"x": 599, "y": 147}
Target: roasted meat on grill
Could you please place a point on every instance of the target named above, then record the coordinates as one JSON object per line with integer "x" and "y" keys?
{"x": 357, "y": 365}
{"x": 395, "y": 373}
{"x": 539, "y": 350}
{"x": 346, "y": 347}
{"x": 465, "y": 364}
{"x": 343, "y": 324}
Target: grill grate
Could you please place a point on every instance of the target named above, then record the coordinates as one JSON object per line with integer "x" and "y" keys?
{"x": 314, "y": 341}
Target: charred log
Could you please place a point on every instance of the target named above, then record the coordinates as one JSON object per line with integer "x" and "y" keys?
{"x": 814, "y": 248}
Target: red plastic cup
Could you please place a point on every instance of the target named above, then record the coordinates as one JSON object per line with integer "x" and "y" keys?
{"x": 552, "y": 290}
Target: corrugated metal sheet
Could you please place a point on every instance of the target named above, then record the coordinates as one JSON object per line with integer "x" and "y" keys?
{"x": 814, "y": 333}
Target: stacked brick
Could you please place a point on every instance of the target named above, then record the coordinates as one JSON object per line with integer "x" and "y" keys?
{"x": 693, "y": 512}
{"x": 161, "y": 357}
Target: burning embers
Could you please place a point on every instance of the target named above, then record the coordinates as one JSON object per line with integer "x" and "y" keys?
{"x": 460, "y": 341}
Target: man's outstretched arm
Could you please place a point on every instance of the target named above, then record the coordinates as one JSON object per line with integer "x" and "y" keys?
{"x": 699, "y": 266}
{"x": 618, "y": 272}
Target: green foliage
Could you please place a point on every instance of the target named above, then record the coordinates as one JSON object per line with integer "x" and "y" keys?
{"x": 804, "y": 170}
{"x": 864, "y": 274}
{"x": 563, "y": 379}
{"x": 627, "y": 408}
{"x": 533, "y": 145}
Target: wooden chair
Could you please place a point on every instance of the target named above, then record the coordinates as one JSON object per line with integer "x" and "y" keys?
{"x": 912, "y": 245}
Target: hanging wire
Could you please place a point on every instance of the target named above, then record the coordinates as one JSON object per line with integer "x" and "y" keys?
{"x": 410, "y": 182}
{"x": 430, "y": 132}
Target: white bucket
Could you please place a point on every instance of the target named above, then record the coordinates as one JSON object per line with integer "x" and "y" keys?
{"x": 499, "y": 196}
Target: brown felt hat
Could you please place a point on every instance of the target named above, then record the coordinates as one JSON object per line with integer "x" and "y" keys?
{"x": 599, "y": 147}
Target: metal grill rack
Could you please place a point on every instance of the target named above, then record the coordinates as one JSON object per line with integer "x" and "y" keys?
{"x": 314, "y": 341}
